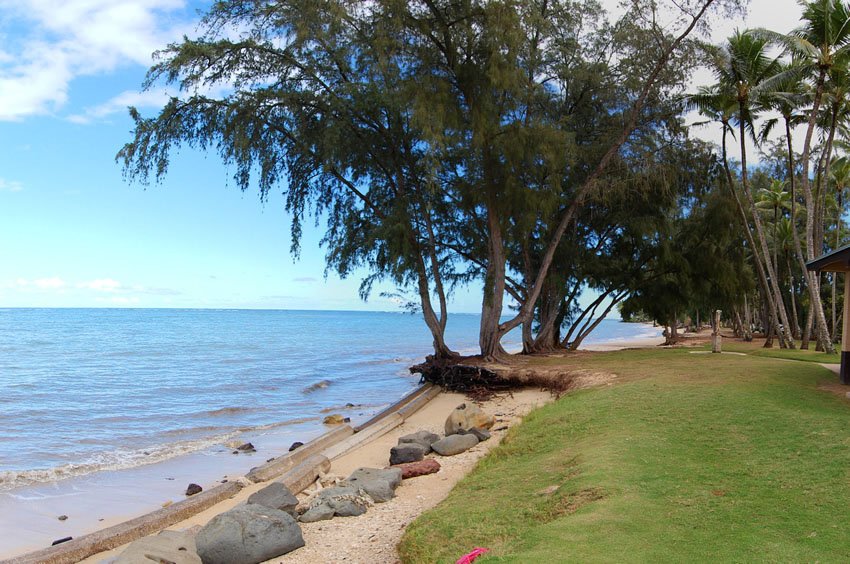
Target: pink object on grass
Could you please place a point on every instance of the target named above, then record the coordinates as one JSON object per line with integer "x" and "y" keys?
{"x": 469, "y": 558}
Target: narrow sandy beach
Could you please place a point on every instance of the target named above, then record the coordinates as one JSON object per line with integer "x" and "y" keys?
{"x": 372, "y": 537}
{"x": 625, "y": 344}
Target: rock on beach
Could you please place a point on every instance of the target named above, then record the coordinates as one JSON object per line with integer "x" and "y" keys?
{"x": 168, "y": 546}
{"x": 379, "y": 484}
{"x": 455, "y": 444}
{"x": 335, "y": 419}
{"x": 424, "y": 438}
{"x": 416, "y": 469}
{"x": 193, "y": 489}
{"x": 277, "y": 496}
{"x": 339, "y": 501}
{"x": 466, "y": 416}
{"x": 407, "y": 452}
{"x": 248, "y": 534}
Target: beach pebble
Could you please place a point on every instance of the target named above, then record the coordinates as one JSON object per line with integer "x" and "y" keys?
{"x": 455, "y": 444}
{"x": 246, "y": 447}
{"x": 340, "y": 501}
{"x": 335, "y": 419}
{"x": 423, "y": 438}
{"x": 408, "y": 452}
{"x": 193, "y": 489}
{"x": 63, "y": 517}
{"x": 168, "y": 546}
{"x": 248, "y": 534}
{"x": 276, "y": 496}
{"x": 380, "y": 484}
{"x": 60, "y": 541}
{"x": 295, "y": 445}
{"x": 466, "y": 416}
{"x": 416, "y": 469}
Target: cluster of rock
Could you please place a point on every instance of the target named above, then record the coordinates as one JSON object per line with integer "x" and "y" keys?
{"x": 267, "y": 525}
{"x": 465, "y": 427}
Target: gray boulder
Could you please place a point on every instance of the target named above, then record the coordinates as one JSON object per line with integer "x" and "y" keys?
{"x": 276, "y": 496}
{"x": 168, "y": 546}
{"x": 248, "y": 534}
{"x": 339, "y": 501}
{"x": 481, "y": 434}
{"x": 455, "y": 444}
{"x": 379, "y": 484}
{"x": 423, "y": 438}
{"x": 408, "y": 452}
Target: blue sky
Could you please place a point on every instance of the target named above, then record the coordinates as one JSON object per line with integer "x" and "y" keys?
{"x": 74, "y": 234}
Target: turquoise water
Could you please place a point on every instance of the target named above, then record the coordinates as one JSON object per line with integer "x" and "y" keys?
{"x": 85, "y": 390}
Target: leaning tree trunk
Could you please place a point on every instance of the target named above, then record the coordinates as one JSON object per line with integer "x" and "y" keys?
{"x": 816, "y": 305}
{"x": 774, "y": 292}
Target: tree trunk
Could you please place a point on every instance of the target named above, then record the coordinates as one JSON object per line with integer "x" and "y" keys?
{"x": 592, "y": 324}
{"x": 807, "y": 332}
{"x": 775, "y": 294}
{"x": 811, "y": 204}
{"x": 490, "y": 336}
{"x": 795, "y": 316}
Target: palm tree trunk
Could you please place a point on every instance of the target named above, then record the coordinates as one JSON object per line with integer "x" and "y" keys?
{"x": 775, "y": 294}
{"x": 762, "y": 277}
{"x": 795, "y": 316}
{"x": 811, "y": 204}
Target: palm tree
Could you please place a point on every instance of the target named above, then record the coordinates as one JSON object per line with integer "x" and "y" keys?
{"x": 719, "y": 106}
{"x": 745, "y": 70}
{"x": 820, "y": 43}
{"x": 774, "y": 198}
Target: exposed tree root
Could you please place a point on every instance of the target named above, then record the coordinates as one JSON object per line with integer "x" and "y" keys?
{"x": 481, "y": 379}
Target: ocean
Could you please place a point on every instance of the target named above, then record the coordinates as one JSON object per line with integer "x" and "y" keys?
{"x": 93, "y": 392}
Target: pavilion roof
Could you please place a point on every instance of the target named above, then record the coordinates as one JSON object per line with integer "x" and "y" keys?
{"x": 836, "y": 261}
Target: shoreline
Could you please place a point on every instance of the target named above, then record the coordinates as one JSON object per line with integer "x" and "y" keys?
{"x": 373, "y": 536}
{"x": 99, "y": 500}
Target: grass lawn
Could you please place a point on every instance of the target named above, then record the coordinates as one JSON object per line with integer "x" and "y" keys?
{"x": 688, "y": 458}
{"x": 755, "y": 348}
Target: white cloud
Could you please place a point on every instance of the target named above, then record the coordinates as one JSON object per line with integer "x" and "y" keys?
{"x": 54, "y": 283}
{"x": 10, "y": 185}
{"x": 149, "y": 99}
{"x": 58, "y": 40}
{"x": 102, "y": 285}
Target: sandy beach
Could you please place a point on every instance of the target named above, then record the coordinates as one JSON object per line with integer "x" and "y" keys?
{"x": 625, "y": 344}
{"x": 372, "y": 537}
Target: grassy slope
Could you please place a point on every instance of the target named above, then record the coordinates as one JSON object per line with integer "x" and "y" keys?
{"x": 689, "y": 458}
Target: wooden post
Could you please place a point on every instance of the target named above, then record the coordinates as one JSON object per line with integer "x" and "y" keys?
{"x": 845, "y": 333}
{"x": 715, "y": 335}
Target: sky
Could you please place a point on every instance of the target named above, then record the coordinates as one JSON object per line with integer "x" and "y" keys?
{"x": 73, "y": 233}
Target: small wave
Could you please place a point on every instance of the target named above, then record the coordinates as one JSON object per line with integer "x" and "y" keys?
{"x": 120, "y": 459}
{"x": 224, "y": 411}
{"x": 278, "y": 424}
{"x": 332, "y": 408}
{"x": 320, "y": 385}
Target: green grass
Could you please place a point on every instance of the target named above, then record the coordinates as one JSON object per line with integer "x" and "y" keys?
{"x": 690, "y": 458}
{"x": 795, "y": 354}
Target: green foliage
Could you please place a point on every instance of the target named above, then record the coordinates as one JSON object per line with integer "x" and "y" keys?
{"x": 443, "y": 141}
